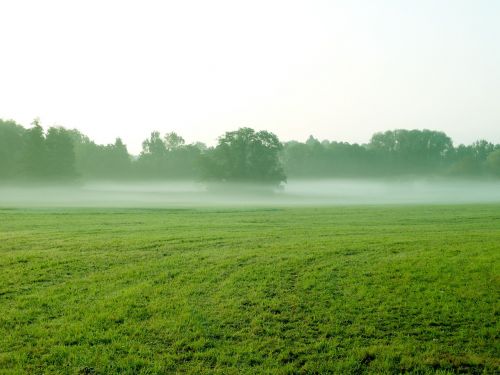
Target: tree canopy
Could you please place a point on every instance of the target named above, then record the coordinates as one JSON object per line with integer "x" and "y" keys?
{"x": 243, "y": 155}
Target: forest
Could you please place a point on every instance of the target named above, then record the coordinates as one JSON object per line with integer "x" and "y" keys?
{"x": 60, "y": 154}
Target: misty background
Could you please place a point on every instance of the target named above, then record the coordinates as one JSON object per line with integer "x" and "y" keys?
{"x": 291, "y": 101}
{"x": 63, "y": 167}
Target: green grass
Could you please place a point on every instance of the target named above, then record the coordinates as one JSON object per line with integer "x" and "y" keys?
{"x": 302, "y": 290}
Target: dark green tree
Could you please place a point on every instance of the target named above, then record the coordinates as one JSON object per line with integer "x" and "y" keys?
{"x": 245, "y": 156}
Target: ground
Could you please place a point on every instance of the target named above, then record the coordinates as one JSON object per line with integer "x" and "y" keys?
{"x": 381, "y": 289}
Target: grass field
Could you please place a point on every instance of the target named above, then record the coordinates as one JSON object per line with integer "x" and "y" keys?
{"x": 382, "y": 289}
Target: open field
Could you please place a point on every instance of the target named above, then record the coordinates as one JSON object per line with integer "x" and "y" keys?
{"x": 353, "y": 289}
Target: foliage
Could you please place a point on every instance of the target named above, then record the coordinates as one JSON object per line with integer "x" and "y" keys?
{"x": 314, "y": 159}
{"x": 419, "y": 150}
{"x": 493, "y": 161}
{"x": 32, "y": 153}
{"x": 245, "y": 156}
{"x": 344, "y": 290}
{"x": 60, "y": 153}
{"x": 12, "y": 138}
{"x": 93, "y": 161}
{"x": 35, "y": 154}
{"x": 168, "y": 158}
{"x": 394, "y": 152}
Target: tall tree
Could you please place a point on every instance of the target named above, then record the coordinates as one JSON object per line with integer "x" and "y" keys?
{"x": 173, "y": 141}
{"x": 35, "y": 152}
{"x": 411, "y": 151}
{"x": 246, "y": 156}
{"x": 117, "y": 159}
{"x": 12, "y": 137}
{"x": 60, "y": 153}
{"x": 493, "y": 162}
{"x": 154, "y": 146}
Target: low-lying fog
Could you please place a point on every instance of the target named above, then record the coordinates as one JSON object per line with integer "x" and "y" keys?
{"x": 296, "y": 192}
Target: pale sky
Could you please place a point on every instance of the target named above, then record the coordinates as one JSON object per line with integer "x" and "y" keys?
{"x": 339, "y": 70}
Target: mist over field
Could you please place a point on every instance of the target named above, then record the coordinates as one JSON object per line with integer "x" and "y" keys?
{"x": 250, "y": 187}
{"x": 294, "y": 193}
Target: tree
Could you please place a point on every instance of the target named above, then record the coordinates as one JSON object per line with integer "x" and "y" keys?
{"x": 240, "y": 156}
{"x": 297, "y": 159}
{"x": 173, "y": 141}
{"x": 35, "y": 153}
{"x": 154, "y": 146}
{"x": 493, "y": 162}
{"x": 168, "y": 158}
{"x": 245, "y": 156}
{"x": 472, "y": 160}
{"x": 60, "y": 153}
{"x": 12, "y": 137}
{"x": 120, "y": 158}
{"x": 151, "y": 161}
{"x": 416, "y": 151}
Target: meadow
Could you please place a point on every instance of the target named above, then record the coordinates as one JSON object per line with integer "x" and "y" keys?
{"x": 341, "y": 289}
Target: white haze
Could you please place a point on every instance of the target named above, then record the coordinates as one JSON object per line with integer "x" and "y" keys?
{"x": 295, "y": 193}
{"x": 337, "y": 69}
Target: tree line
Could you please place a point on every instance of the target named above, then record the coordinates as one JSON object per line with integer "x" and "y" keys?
{"x": 244, "y": 155}
{"x": 393, "y": 153}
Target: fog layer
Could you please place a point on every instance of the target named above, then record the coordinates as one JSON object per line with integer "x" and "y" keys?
{"x": 296, "y": 192}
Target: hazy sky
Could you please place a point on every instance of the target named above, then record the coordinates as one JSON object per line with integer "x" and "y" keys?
{"x": 336, "y": 69}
